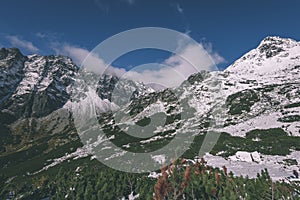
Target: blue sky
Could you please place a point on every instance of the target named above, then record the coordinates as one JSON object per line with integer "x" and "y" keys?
{"x": 228, "y": 28}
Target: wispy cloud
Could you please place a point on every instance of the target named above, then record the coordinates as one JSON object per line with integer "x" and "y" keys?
{"x": 21, "y": 43}
{"x": 41, "y": 35}
{"x": 179, "y": 8}
{"x": 214, "y": 55}
{"x": 48, "y": 35}
{"x": 181, "y": 13}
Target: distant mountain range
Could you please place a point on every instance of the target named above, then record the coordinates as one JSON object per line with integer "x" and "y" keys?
{"x": 259, "y": 95}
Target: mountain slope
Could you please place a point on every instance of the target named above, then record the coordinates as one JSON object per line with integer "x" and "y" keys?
{"x": 259, "y": 100}
{"x": 257, "y": 97}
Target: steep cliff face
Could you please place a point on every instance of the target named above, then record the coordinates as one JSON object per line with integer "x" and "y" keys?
{"x": 34, "y": 86}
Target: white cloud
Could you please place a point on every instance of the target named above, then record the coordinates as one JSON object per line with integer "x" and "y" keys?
{"x": 92, "y": 62}
{"x": 165, "y": 77}
{"x": 177, "y": 68}
{"x": 172, "y": 72}
{"x": 215, "y": 56}
{"x": 20, "y": 43}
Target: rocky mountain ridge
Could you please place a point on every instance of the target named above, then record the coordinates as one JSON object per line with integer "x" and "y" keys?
{"x": 258, "y": 96}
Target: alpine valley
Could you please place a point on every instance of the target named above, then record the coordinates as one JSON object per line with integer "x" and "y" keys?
{"x": 42, "y": 154}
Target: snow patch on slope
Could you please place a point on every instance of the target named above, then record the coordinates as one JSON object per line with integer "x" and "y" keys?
{"x": 249, "y": 164}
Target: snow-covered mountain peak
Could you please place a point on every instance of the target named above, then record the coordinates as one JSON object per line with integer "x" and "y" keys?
{"x": 273, "y": 56}
{"x": 272, "y": 46}
{"x": 34, "y": 85}
{"x": 10, "y": 58}
{"x": 275, "y": 40}
{"x": 41, "y": 71}
{"x": 10, "y": 52}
